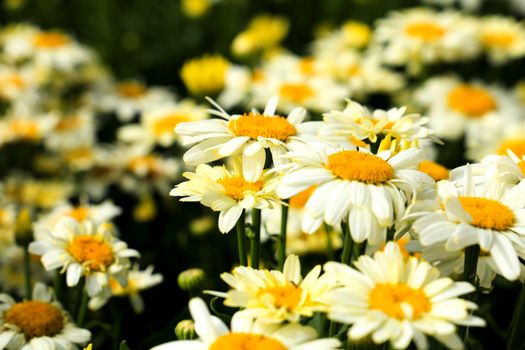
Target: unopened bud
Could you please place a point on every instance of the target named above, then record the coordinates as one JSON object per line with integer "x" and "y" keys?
{"x": 185, "y": 330}
{"x": 191, "y": 280}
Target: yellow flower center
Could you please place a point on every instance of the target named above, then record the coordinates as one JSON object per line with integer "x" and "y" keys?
{"x": 425, "y": 31}
{"x": 79, "y": 154}
{"x": 50, "y": 40}
{"x": 15, "y": 80}
{"x": 246, "y": 341}
{"x": 93, "y": 251}
{"x": 68, "y": 124}
{"x": 299, "y": 200}
{"x": 287, "y": 296}
{"x": 168, "y": 123}
{"x": 517, "y": 146}
{"x": 35, "y": 319}
{"x": 307, "y": 66}
{"x": 255, "y": 125}
{"x": 296, "y": 92}
{"x": 148, "y": 164}
{"x": 471, "y": 100}
{"x": 131, "y": 89}
{"x": 434, "y": 170}
{"x": 498, "y": 39}
{"x": 205, "y": 75}
{"x": 389, "y": 299}
{"x": 488, "y": 213}
{"x": 236, "y": 187}
{"x": 79, "y": 213}
{"x": 356, "y": 34}
{"x": 359, "y": 166}
{"x": 24, "y": 129}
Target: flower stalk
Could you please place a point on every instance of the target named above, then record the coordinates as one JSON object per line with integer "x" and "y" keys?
{"x": 255, "y": 249}
{"x": 241, "y": 233}
{"x": 281, "y": 253}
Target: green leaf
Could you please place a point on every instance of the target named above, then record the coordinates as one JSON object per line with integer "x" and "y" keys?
{"x": 123, "y": 345}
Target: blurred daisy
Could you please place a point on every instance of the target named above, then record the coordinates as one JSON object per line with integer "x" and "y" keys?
{"x": 264, "y": 32}
{"x": 249, "y": 134}
{"x": 503, "y": 38}
{"x": 26, "y": 128}
{"x": 15, "y": 81}
{"x": 157, "y": 124}
{"x": 391, "y": 298}
{"x": 44, "y": 194}
{"x": 496, "y": 138}
{"x": 247, "y": 333}
{"x": 420, "y": 36}
{"x": 72, "y": 131}
{"x": 350, "y": 36}
{"x": 39, "y": 323}
{"x": 435, "y": 170}
{"x": 275, "y": 296}
{"x": 455, "y": 106}
{"x": 129, "y": 98}
{"x": 85, "y": 249}
{"x": 366, "y": 190}
{"x": 96, "y": 213}
{"x": 356, "y": 124}
{"x": 227, "y": 191}
{"x": 7, "y": 224}
{"x": 487, "y": 215}
{"x": 137, "y": 282}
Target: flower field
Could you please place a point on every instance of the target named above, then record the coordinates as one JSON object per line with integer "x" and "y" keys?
{"x": 262, "y": 175}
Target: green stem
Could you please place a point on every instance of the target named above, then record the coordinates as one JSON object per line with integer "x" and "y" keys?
{"x": 57, "y": 285}
{"x": 333, "y": 329}
{"x": 329, "y": 246}
{"x": 517, "y": 326}
{"x": 469, "y": 275}
{"x": 281, "y": 253}
{"x": 256, "y": 240}
{"x": 27, "y": 272}
{"x": 241, "y": 233}
{"x": 82, "y": 303}
{"x": 348, "y": 244}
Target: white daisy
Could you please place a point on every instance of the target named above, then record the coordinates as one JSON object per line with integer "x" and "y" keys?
{"x": 365, "y": 190}
{"x": 85, "y": 249}
{"x": 248, "y": 134}
{"x": 275, "y": 296}
{"x": 228, "y": 192}
{"x": 247, "y": 333}
{"x": 498, "y": 138}
{"x": 391, "y": 298}
{"x": 39, "y": 323}
{"x": 483, "y": 214}
{"x": 72, "y": 131}
{"x": 503, "y": 38}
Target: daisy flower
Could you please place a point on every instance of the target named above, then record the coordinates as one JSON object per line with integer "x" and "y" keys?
{"x": 275, "y": 296}
{"x": 435, "y": 170}
{"x": 26, "y": 128}
{"x": 356, "y": 123}
{"x": 350, "y": 36}
{"x": 392, "y": 298}
{"x": 247, "y": 333}
{"x": 85, "y": 249}
{"x": 419, "y": 36}
{"x": 455, "y": 106}
{"x": 39, "y": 323}
{"x": 227, "y": 191}
{"x": 157, "y": 124}
{"x": 137, "y": 281}
{"x": 72, "y": 131}
{"x": 486, "y": 214}
{"x": 503, "y": 38}
{"x": 499, "y": 138}
{"x": 248, "y": 134}
{"x": 366, "y": 190}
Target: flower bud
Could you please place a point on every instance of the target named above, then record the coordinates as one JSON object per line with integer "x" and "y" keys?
{"x": 191, "y": 280}
{"x": 185, "y": 330}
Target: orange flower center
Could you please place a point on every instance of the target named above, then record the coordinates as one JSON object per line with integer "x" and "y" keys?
{"x": 359, "y": 166}
{"x": 471, "y": 100}
{"x": 389, "y": 298}
{"x": 92, "y": 251}
{"x": 148, "y": 163}
{"x": 488, "y": 213}
{"x": 68, "y": 124}
{"x": 24, "y": 129}
{"x": 425, "y": 31}
{"x": 287, "y": 296}
{"x": 79, "y": 213}
{"x": 517, "y": 146}
{"x": 50, "y": 40}
{"x": 498, "y": 39}
{"x": 296, "y": 92}
{"x": 246, "y": 341}
{"x": 236, "y": 187}
{"x": 35, "y": 319}
{"x": 168, "y": 123}
{"x": 434, "y": 170}
{"x": 307, "y": 66}
{"x": 299, "y": 200}
{"x": 131, "y": 89}
{"x": 255, "y": 125}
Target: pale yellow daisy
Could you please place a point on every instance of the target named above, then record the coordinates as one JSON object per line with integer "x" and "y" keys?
{"x": 503, "y": 38}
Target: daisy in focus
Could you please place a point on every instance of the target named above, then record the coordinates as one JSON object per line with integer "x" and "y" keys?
{"x": 39, "y": 323}
{"x": 454, "y": 106}
{"x": 470, "y": 212}
{"x": 365, "y": 190}
{"x": 249, "y": 134}
{"x": 275, "y": 296}
{"x": 395, "y": 299}
{"x": 227, "y": 191}
{"x": 85, "y": 250}
{"x": 247, "y": 333}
